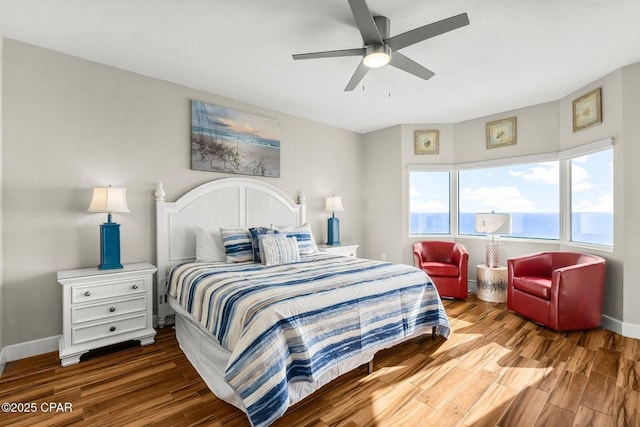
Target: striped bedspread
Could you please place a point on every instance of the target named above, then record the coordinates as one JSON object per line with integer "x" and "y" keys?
{"x": 292, "y": 322}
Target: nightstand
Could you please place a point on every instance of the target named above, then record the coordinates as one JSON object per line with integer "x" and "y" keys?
{"x": 104, "y": 307}
{"x": 343, "y": 250}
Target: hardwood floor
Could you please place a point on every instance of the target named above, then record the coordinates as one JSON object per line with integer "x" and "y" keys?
{"x": 496, "y": 369}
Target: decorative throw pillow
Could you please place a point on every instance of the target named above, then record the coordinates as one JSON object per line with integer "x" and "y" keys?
{"x": 255, "y": 233}
{"x": 237, "y": 244}
{"x": 306, "y": 242}
{"x": 280, "y": 250}
{"x": 209, "y": 245}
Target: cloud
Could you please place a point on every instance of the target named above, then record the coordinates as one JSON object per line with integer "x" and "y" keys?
{"x": 579, "y": 176}
{"x": 500, "y": 199}
{"x": 581, "y": 186}
{"x": 602, "y": 204}
{"x": 545, "y": 173}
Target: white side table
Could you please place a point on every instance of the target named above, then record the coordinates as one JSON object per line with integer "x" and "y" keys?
{"x": 492, "y": 283}
{"x": 343, "y": 250}
{"x": 104, "y": 307}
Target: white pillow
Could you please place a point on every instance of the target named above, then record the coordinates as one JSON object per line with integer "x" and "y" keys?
{"x": 304, "y": 236}
{"x": 280, "y": 250}
{"x": 209, "y": 245}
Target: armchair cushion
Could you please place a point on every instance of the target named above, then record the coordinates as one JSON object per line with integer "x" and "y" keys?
{"x": 441, "y": 269}
{"x": 538, "y": 286}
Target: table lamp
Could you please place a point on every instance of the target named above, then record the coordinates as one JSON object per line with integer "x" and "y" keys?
{"x": 493, "y": 224}
{"x": 109, "y": 200}
{"x": 333, "y": 204}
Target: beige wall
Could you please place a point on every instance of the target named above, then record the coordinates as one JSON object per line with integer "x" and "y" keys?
{"x": 628, "y": 227}
{"x": 382, "y": 193}
{"x": 542, "y": 129}
{"x": 71, "y": 124}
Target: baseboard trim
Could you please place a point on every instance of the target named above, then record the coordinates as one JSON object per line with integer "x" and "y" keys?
{"x": 31, "y": 348}
{"x": 629, "y": 330}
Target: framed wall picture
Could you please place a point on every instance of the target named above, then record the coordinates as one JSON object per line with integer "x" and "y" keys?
{"x": 230, "y": 141}
{"x": 426, "y": 141}
{"x": 587, "y": 110}
{"x": 502, "y": 132}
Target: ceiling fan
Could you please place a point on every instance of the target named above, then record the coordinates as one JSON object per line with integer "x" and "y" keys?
{"x": 379, "y": 49}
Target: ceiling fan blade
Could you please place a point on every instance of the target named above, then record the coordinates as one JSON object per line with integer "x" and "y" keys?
{"x": 427, "y": 31}
{"x": 357, "y": 77}
{"x": 400, "y": 61}
{"x": 330, "y": 53}
{"x": 364, "y": 20}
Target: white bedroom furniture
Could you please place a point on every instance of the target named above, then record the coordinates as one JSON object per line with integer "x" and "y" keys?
{"x": 105, "y": 307}
{"x": 345, "y": 249}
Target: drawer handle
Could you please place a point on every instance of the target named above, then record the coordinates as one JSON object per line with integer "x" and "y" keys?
{"x": 112, "y": 309}
{"x": 87, "y": 293}
{"x": 111, "y": 329}
{"x": 135, "y": 286}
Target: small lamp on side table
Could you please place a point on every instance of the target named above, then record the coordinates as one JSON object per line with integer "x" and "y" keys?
{"x": 109, "y": 200}
{"x": 494, "y": 224}
{"x": 333, "y": 204}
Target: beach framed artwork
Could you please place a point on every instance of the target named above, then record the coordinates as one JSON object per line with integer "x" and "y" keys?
{"x": 230, "y": 141}
{"x": 426, "y": 141}
{"x": 502, "y": 132}
{"x": 587, "y": 110}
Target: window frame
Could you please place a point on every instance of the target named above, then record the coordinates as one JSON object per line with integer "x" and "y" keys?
{"x": 453, "y": 201}
{"x": 564, "y": 158}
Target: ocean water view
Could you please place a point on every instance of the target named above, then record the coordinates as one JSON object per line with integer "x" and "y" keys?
{"x": 596, "y": 228}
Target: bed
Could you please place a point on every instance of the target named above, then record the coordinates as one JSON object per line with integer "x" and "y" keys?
{"x": 264, "y": 335}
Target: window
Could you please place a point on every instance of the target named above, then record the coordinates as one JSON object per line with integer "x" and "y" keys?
{"x": 529, "y": 192}
{"x": 592, "y": 198}
{"x": 429, "y": 201}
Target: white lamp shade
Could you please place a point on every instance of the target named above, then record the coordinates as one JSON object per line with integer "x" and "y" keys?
{"x": 493, "y": 223}
{"x": 109, "y": 200}
{"x": 333, "y": 204}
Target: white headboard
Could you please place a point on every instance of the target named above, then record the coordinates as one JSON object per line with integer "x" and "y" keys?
{"x": 228, "y": 202}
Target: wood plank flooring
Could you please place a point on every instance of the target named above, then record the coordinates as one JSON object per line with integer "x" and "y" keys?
{"x": 496, "y": 369}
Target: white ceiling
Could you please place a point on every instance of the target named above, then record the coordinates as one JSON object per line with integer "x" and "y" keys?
{"x": 514, "y": 53}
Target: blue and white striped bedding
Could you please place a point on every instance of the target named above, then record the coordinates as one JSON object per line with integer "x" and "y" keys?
{"x": 292, "y": 322}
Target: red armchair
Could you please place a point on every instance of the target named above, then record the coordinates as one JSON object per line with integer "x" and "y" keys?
{"x": 446, "y": 263}
{"x": 561, "y": 290}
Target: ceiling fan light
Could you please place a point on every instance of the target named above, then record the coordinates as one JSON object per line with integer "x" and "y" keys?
{"x": 377, "y": 56}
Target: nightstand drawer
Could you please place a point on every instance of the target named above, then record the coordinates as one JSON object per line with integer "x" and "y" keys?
{"x": 85, "y": 313}
{"x": 82, "y": 334}
{"x": 87, "y": 293}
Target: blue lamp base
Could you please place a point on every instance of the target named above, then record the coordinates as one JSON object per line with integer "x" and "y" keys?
{"x": 109, "y": 246}
{"x": 333, "y": 231}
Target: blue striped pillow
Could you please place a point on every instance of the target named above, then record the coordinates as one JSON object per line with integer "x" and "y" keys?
{"x": 306, "y": 242}
{"x": 237, "y": 244}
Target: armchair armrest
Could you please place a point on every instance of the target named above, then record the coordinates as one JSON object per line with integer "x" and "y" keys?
{"x": 417, "y": 259}
{"x": 459, "y": 254}
{"x": 583, "y": 278}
